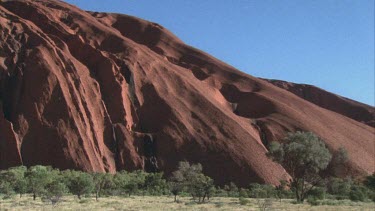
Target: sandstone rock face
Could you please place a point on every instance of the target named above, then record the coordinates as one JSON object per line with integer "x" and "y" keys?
{"x": 107, "y": 92}
{"x": 347, "y": 107}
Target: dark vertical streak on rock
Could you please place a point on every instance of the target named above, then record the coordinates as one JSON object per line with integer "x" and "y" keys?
{"x": 149, "y": 150}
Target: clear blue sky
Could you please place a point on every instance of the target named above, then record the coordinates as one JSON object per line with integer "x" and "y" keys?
{"x": 327, "y": 43}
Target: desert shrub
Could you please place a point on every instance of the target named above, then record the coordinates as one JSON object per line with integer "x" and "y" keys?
{"x": 219, "y": 192}
{"x": 317, "y": 193}
{"x": 155, "y": 184}
{"x": 231, "y": 189}
{"x": 243, "y": 193}
{"x": 38, "y": 177}
{"x": 130, "y": 183}
{"x": 79, "y": 183}
{"x": 200, "y": 187}
{"x": 219, "y": 204}
{"x": 6, "y": 189}
{"x": 191, "y": 179}
{"x": 337, "y": 167}
{"x": 370, "y": 184}
{"x": 261, "y": 191}
{"x": 103, "y": 184}
{"x": 358, "y": 193}
{"x": 313, "y": 201}
{"x": 84, "y": 201}
{"x": 371, "y": 196}
{"x": 282, "y": 191}
{"x": 54, "y": 191}
{"x": 331, "y": 202}
{"x": 121, "y": 180}
{"x": 339, "y": 187}
{"x": 264, "y": 204}
{"x": 243, "y": 201}
{"x": 15, "y": 176}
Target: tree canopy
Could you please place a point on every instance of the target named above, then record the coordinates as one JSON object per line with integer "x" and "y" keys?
{"x": 304, "y": 156}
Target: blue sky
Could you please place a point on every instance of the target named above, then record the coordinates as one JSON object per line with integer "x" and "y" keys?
{"x": 327, "y": 43}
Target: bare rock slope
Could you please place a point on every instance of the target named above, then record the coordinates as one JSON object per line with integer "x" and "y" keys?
{"x": 106, "y": 92}
{"x": 347, "y": 107}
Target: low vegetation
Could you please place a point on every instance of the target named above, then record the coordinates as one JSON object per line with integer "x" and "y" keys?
{"x": 303, "y": 155}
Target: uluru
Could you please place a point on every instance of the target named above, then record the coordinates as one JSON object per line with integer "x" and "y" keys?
{"x": 107, "y": 92}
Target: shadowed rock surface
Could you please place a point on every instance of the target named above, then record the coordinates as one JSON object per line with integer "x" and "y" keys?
{"x": 107, "y": 92}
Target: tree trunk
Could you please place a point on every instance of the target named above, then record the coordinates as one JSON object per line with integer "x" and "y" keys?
{"x": 79, "y": 196}
{"x": 34, "y": 196}
{"x": 175, "y": 198}
{"x": 97, "y": 195}
{"x": 302, "y": 198}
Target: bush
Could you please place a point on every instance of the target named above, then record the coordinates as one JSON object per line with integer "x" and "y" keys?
{"x": 79, "y": 183}
{"x": 243, "y": 193}
{"x": 16, "y": 178}
{"x": 264, "y": 204}
{"x": 358, "y": 193}
{"x": 341, "y": 197}
{"x": 331, "y": 203}
{"x": 38, "y": 177}
{"x": 54, "y": 191}
{"x": 155, "y": 184}
{"x": 231, "y": 189}
{"x": 190, "y": 178}
{"x": 243, "y": 201}
{"x": 261, "y": 191}
{"x": 6, "y": 189}
{"x": 313, "y": 201}
{"x": 372, "y": 196}
{"x": 370, "y": 182}
{"x": 103, "y": 184}
{"x": 220, "y": 192}
{"x": 317, "y": 193}
{"x": 282, "y": 191}
{"x": 339, "y": 187}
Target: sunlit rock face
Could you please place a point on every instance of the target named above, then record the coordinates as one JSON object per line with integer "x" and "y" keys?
{"x": 107, "y": 92}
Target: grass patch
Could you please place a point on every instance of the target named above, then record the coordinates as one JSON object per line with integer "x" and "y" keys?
{"x": 166, "y": 203}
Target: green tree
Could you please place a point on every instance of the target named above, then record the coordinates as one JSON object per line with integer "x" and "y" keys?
{"x": 79, "y": 183}
{"x": 135, "y": 183}
{"x": 155, "y": 184}
{"x": 304, "y": 156}
{"x": 102, "y": 181}
{"x": 191, "y": 178}
{"x": 121, "y": 180}
{"x": 38, "y": 177}
{"x": 176, "y": 184}
{"x": 16, "y": 177}
{"x": 129, "y": 182}
{"x": 201, "y": 187}
{"x": 6, "y": 189}
{"x": 55, "y": 190}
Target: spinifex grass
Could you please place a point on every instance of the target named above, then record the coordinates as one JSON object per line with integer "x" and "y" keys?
{"x": 166, "y": 203}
